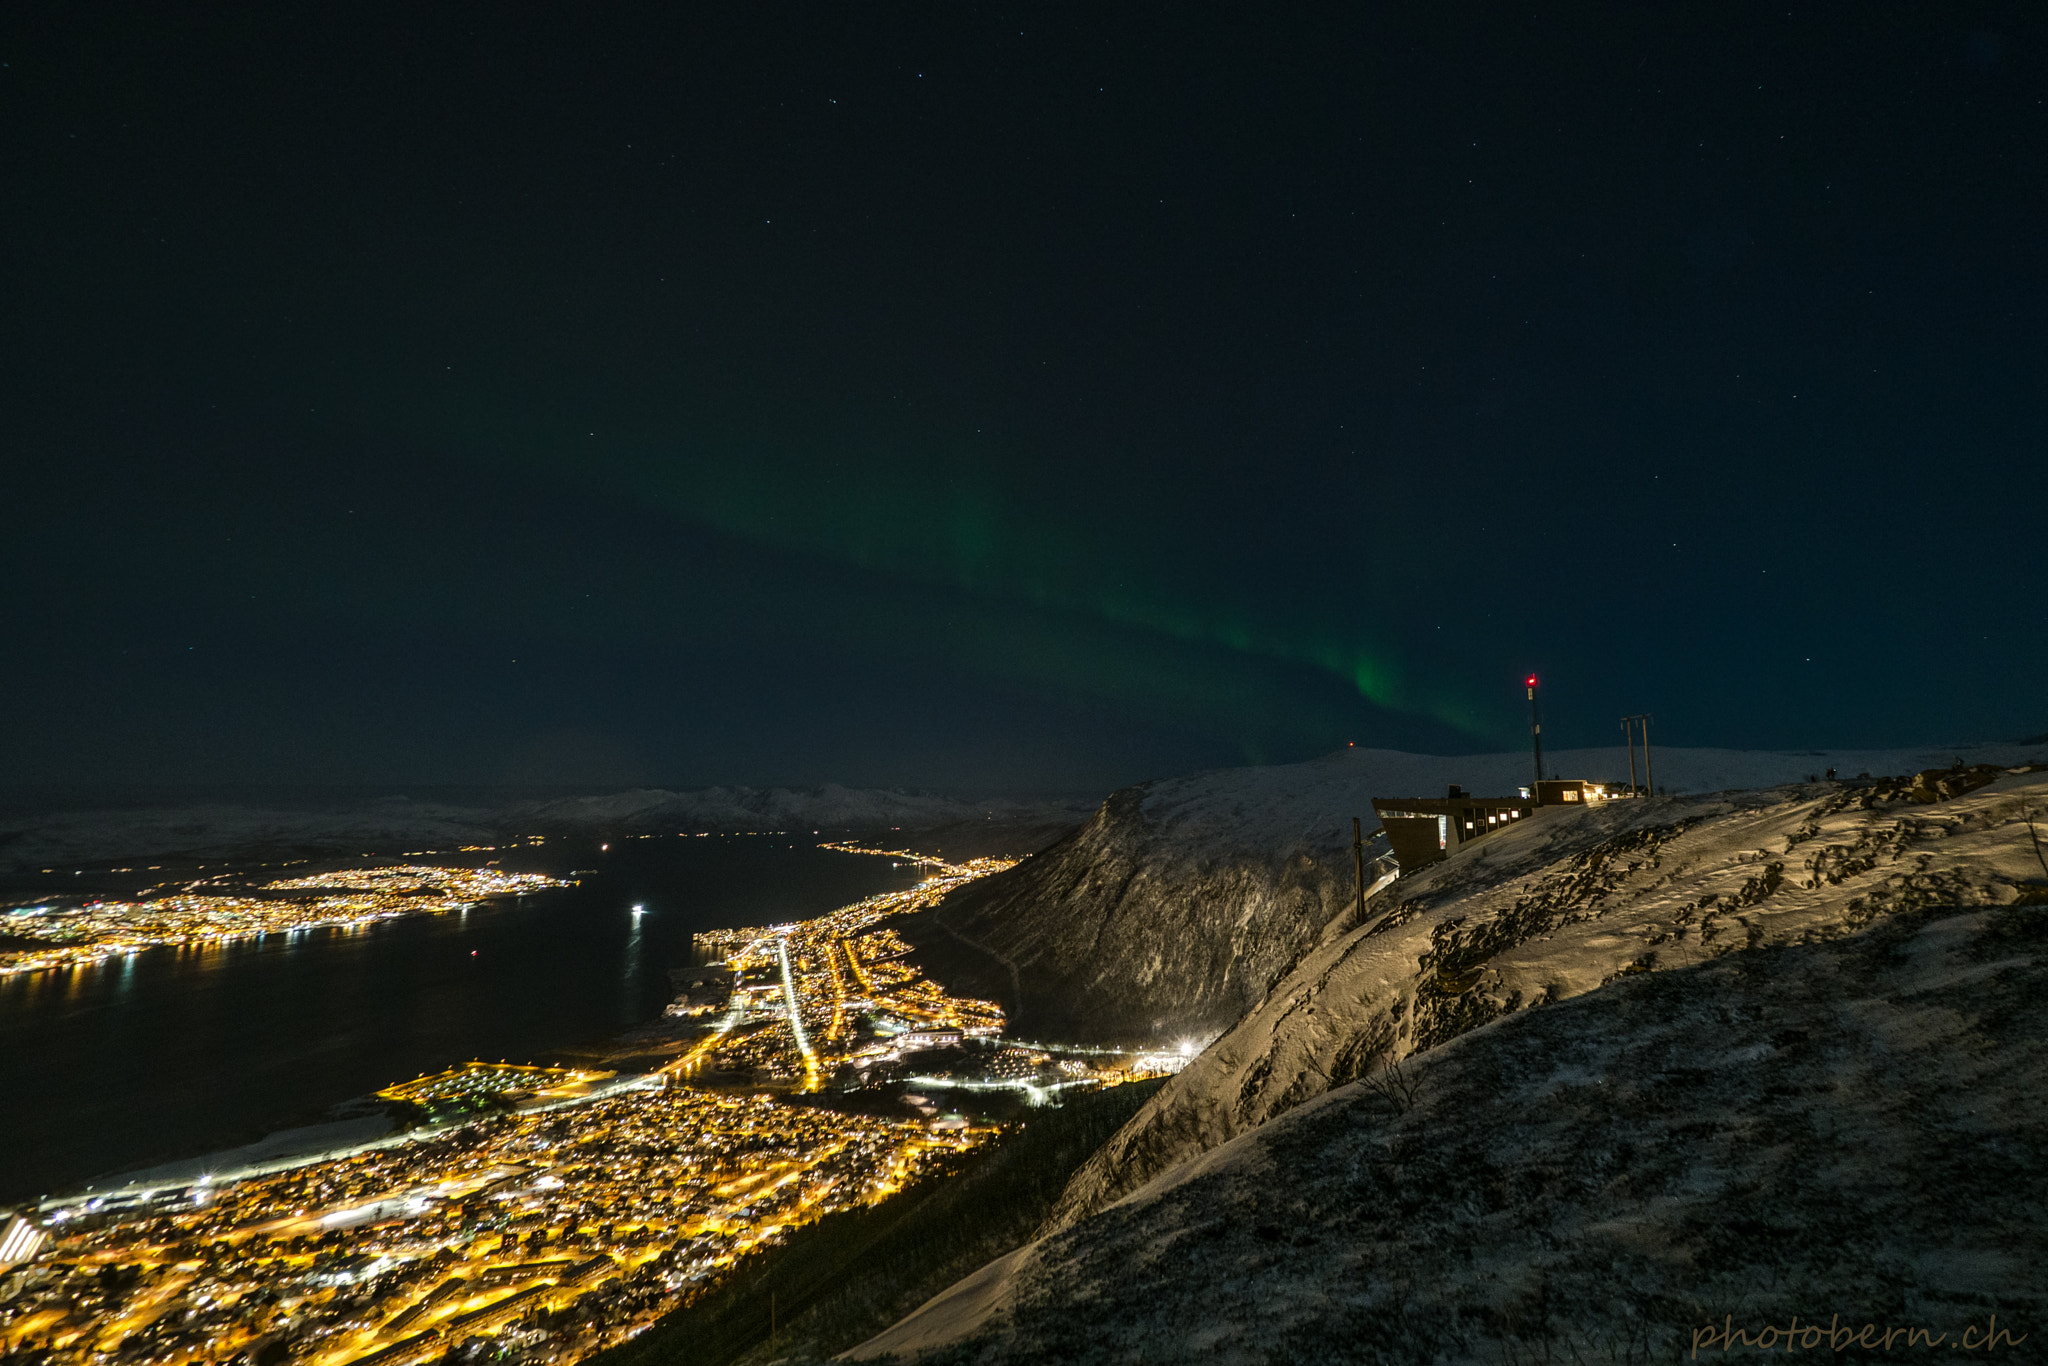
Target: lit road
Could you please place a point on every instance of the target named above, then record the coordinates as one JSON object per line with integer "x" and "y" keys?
{"x": 796, "y": 1017}
{"x": 812, "y": 961}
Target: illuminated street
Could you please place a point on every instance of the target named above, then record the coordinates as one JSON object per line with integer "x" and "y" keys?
{"x": 797, "y": 989}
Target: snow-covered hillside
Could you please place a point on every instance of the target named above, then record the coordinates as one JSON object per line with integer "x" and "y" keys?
{"x": 1835, "y": 1134}
{"x": 1184, "y": 901}
{"x": 1562, "y": 904}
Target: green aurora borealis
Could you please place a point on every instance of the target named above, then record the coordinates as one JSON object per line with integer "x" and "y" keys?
{"x": 932, "y": 399}
{"x": 1104, "y": 605}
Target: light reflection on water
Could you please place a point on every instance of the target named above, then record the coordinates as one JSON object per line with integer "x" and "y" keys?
{"x": 633, "y": 953}
{"x": 177, "y": 1051}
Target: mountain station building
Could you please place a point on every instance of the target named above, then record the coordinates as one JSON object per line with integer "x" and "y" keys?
{"x": 1422, "y": 830}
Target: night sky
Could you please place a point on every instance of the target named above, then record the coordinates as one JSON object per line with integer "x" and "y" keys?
{"x": 993, "y": 398}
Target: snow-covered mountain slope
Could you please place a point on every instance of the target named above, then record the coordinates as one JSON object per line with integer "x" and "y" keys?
{"x": 1562, "y": 904}
{"x": 1834, "y": 1134}
{"x": 1183, "y": 901}
{"x": 1158, "y": 921}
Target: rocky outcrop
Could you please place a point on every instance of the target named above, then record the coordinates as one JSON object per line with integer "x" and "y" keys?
{"x": 1161, "y": 920}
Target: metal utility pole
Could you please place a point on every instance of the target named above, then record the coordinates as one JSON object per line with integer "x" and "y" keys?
{"x": 1358, "y": 863}
{"x": 1536, "y": 740}
{"x": 1628, "y": 725}
{"x": 1649, "y": 776}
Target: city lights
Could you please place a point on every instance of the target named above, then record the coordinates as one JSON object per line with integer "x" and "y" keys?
{"x": 558, "y": 1229}
{"x": 556, "y": 1211}
{"x": 210, "y": 911}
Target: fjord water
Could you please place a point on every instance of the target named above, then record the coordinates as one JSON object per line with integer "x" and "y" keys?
{"x": 172, "y": 1053}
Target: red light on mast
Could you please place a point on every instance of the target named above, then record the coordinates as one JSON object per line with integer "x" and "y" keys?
{"x": 1532, "y": 680}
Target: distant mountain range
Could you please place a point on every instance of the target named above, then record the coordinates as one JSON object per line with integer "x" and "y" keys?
{"x": 398, "y": 825}
{"x": 831, "y": 807}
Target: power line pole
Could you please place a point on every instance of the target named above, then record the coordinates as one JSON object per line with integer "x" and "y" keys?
{"x": 1358, "y": 864}
{"x": 1628, "y": 725}
{"x": 1649, "y": 775}
{"x": 1536, "y": 740}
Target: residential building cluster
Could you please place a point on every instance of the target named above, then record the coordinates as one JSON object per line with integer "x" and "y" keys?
{"x": 557, "y": 1232}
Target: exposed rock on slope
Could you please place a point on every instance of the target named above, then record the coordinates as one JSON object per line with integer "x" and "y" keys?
{"x": 1561, "y": 905}
{"x": 1117, "y": 935}
{"x": 1846, "y": 1132}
